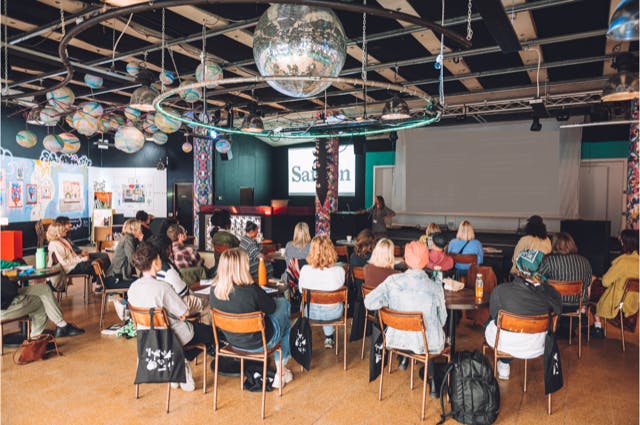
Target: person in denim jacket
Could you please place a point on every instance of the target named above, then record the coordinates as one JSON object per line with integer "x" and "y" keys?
{"x": 413, "y": 290}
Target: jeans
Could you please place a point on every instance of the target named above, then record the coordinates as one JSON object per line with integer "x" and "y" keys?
{"x": 281, "y": 330}
{"x": 326, "y": 312}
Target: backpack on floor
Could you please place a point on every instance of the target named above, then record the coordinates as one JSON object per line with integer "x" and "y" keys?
{"x": 472, "y": 388}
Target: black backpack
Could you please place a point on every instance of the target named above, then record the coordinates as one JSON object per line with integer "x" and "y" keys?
{"x": 473, "y": 389}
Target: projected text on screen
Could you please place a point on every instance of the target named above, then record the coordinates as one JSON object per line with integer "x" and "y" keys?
{"x": 302, "y": 177}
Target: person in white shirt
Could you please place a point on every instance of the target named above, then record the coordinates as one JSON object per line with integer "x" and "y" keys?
{"x": 322, "y": 274}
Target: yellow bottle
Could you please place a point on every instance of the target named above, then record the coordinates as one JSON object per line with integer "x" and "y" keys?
{"x": 262, "y": 273}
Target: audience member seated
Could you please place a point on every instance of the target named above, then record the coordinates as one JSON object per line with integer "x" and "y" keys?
{"x": 437, "y": 256}
{"x": 362, "y": 248}
{"x": 220, "y": 234}
{"x": 431, "y": 229}
{"x": 253, "y": 249}
{"x": 183, "y": 256}
{"x": 465, "y": 242}
{"x": 59, "y": 246}
{"x": 122, "y": 266}
{"x": 169, "y": 273}
{"x": 145, "y": 218}
{"x": 413, "y": 290}
{"x": 535, "y": 238}
{"x": 37, "y": 301}
{"x": 379, "y": 214}
{"x": 235, "y": 292}
{"x": 149, "y": 292}
{"x": 564, "y": 263}
{"x": 527, "y": 295}
{"x": 103, "y": 257}
{"x": 608, "y": 300}
{"x": 322, "y": 274}
{"x": 380, "y": 265}
{"x": 298, "y": 248}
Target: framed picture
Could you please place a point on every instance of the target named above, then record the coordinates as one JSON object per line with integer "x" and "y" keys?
{"x": 20, "y": 173}
{"x": 31, "y": 194}
{"x": 15, "y": 195}
{"x": 133, "y": 193}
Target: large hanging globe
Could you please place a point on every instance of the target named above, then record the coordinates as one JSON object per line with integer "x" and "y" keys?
{"x": 129, "y": 139}
{"x": 292, "y": 40}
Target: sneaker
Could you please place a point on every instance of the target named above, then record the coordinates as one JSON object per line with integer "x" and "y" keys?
{"x": 504, "y": 370}
{"x": 189, "y": 384}
{"x": 403, "y": 362}
{"x": 120, "y": 308}
{"x": 174, "y": 385}
{"x": 287, "y": 376}
{"x": 328, "y": 342}
{"x": 596, "y": 332}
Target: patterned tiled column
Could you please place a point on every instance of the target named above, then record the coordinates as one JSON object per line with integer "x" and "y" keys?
{"x": 202, "y": 179}
{"x": 633, "y": 209}
{"x": 326, "y": 166}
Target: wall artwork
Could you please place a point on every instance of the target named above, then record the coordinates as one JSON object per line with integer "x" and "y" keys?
{"x": 71, "y": 194}
{"x": 3, "y": 189}
{"x": 19, "y": 173}
{"x": 31, "y": 193}
{"x": 133, "y": 193}
{"x": 15, "y": 195}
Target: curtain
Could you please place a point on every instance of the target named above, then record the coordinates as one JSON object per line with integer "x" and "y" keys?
{"x": 569, "y": 169}
{"x": 399, "y": 199}
{"x": 632, "y": 209}
{"x": 202, "y": 180}
{"x": 326, "y": 168}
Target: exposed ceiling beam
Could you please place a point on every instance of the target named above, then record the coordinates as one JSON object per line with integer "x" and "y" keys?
{"x": 613, "y": 46}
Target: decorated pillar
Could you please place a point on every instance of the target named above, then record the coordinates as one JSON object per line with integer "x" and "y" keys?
{"x": 326, "y": 168}
{"x": 202, "y": 179}
{"x": 633, "y": 209}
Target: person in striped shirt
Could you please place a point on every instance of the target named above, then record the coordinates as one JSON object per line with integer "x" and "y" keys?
{"x": 250, "y": 245}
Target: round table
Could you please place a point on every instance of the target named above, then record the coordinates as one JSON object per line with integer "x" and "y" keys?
{"x": 464, "y": 299}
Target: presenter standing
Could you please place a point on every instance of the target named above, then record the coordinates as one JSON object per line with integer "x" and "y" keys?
{"x": 379, "y": 213}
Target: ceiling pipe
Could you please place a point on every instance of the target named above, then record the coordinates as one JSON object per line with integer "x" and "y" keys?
{"x": 76, "y": 17}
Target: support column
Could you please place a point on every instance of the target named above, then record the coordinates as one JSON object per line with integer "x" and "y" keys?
{"x": 633, "y": 197}
{"x": 202, "y": 179}
{"x": 326, "y": 168}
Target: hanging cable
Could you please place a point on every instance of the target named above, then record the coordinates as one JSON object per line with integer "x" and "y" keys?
{"x": 115, "y": 46}
{"x": 469, "y": 29}
{"x": 162, "y": 50}
{"x": 203, "y": 56}
{"x": 6, "y": 52}
{"x": 365, "y": 59}
{"x": 441, "y": 56}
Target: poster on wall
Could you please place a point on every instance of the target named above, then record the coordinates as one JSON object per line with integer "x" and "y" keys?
{"x": 133, "y": 193}
{"x": 70, "y": 189}
{"x": 3, "y": 189}
{"x": 31, "y": 194}
{"x": 15, "y": 195}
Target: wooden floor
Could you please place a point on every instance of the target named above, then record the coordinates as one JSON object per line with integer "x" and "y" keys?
{"x": 93, "y": 383}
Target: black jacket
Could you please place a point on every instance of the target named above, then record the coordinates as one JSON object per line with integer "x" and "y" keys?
{"x": 524, "y": 298}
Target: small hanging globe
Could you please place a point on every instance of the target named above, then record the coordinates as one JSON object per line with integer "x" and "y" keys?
{"x": 86, "y": 124}
{"x": 26, "y": 138}
{"x": 167, "y": 77}
{"x": 71, "y": 143}
{"x": 187, "y": 147}
{"x": 49, "y": 116}
{"x": 209, "y": 71}
{"x": 69, "y": 120}
{"x": 159, "y": 138}
{"x": 103, "y": 123}
{"x": 167, "y": 124}
{"x": 133, "y": 69}
{"x": 149, "y": 124}
{"x": 93, "y": 81}
{"x": 129, "y": 139}
{"x": 223, "y": 146}
{"x": 190, "y": 95}
{"x": 53, "y": 143}
{"x": 132, "y": 114}
{"x": 92, "y": 108}
{"x": 115, "y": 122}
{"x": 62, "y": 98}
{"x": 293, "y": 40}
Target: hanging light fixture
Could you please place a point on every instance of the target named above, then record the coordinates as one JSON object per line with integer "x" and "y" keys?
{"x": 252, "y": 123}
{"x": 142, "y": 97}
{"x": 395, "y": 109}
{"x": 33, "y": 117}
{"x": 623, "y": 85}
{"x": 624, "y": 22}
{"x": 535, "y": 124}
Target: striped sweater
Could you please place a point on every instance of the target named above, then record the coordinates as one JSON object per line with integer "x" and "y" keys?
{"x": 568, "y": 267}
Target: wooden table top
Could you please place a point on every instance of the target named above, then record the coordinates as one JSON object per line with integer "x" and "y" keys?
{"x": 38, "y": 274}
{"x": 464, "y": 299}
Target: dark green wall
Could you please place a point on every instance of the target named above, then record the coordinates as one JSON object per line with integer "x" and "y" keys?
{"x": 603, "y": 150}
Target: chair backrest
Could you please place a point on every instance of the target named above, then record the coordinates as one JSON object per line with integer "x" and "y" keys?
{"x": 366, "y": 289}
{"x": 567, "y": 288}
{"x": 97, "y": 268}
{"x": 237, "y": 323}
{"x": 464, "y": 258}
{"x": 342, "y": 251}
{"x": 631, "y": 285}
{"x": 358, "y": 273}
{"x": 269, "y": 247}
{"x": 489, "y": 278}
{"x": 513, "y": 322}
{"x": 325, "y": 297}
{"x": 141, "y": 317}
{"x": 102, "y": 245}
{"x": 398, "y": 251}
{"x": 410, "y": 321}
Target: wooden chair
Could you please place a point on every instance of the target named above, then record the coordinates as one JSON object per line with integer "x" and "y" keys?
{"x": 22, "y": 319}
{"x": 631, "y": 285}
{"x": 67, "y": 280}
{"x": 489, "y": 281}
{"x": 141, "y": 318}
{"x": 102, "y": 245}
{"x": 521, "y": 324}
{"x": 464, "y": 259}
{"x": 398, "y": 251}
{"x": 97, "y": 267}
{"x": 368, "y": 316}
{"x": 572, "y": 288}
{"x": 407, "y": 322}
{"x": 329, "y": 297}
{"x": 343, "y": 252}
{"x": 242, "y": 323}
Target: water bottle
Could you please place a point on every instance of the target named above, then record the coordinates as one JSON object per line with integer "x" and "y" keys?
{"x": 262, "y": 273}
{"x": 430, "y": 242}
{"x": 437, "y": 274}
{"x": 479, "y": 286}
{"x": 41, "y": 258}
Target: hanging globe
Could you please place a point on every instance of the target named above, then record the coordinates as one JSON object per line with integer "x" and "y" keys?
{"x": 70, "y": 143}
{"x": 69, "y": 120}
{"x": 187, "y": 147}
{"x": 85, "y": 123}
{"x": 26, "y": 138}
{"x": 61, "y": 98}
{"x": 159, "y": 138}
{"x": 129, "y": 139}
{"x": 167, "y": 124}
{"x": 133, "y": 69}
{"x": 132, "y": 114}
{"x": 209, "y": 71}
{"x": 115, "y": 122}
{"x": 223, "y": 146}
{"x": 49, "y": 116}
{"x": 92, "y": 108}
{"x": 167, "y": 77}
{"x": 191, "y": 116}
{"x": 190, "y": 95}
{"x": 103, "y": 124}
{"x": 292, "y": 40}
{"x": 93, "y": 81}
{"x": 53, "y": 143}
{"x": 149, "y": 124}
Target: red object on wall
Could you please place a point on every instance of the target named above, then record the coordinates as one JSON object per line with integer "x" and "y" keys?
{"x": 10, "y": 244}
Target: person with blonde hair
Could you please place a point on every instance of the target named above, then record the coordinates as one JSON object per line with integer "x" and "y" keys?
{"x": 299, "y": 247}
{"x": 431, "y": 229}
{"x": 121, "y": 265}
{"x": 465, "y": 242}
{"x": 322, "y": 274}
{"x": 61, "y": 248}
{"x": 380, "y": 265}
{"x": 234, "y": 291}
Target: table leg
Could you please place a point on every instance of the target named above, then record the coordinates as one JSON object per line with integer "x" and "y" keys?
{"x": 452, "y": 333}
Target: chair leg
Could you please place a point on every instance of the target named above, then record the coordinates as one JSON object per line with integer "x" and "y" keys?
{"x": 344, "y": 345}
{"x": 280, "y": 389}
{"x": 580, "y": 336}
{"x": 168, "y": 396}
{"x": 604, "y": 327}
{"x": 549, "y": 405}
{"x": 204, "y": 371}
{"x": 242, "y": 374}
{"x": 424, "y": 388}
{"x": 381, "y": 374}
{"x": 103, "y": 306}
{"x": 137, "y": 391}
{"x": 336, "y": 336}
{"x": 390, "y": 361}
{"x": 364, "y": 337}
{"x": 264, "y": 384}
{"x": 570, "y": 328}
{"x": 525, "y": 375}
{"x": 411, "y": 377}
{"x": 215, "y": 382}
{"x": 622, "y": 330}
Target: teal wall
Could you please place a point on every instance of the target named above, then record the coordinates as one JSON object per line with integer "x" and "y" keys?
{"x": 603, "y": 150}
{"x": 372, "y": 159}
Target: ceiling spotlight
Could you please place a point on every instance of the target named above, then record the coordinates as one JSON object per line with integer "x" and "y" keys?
{"x": 624, "y": 84}
{"x": 563, "y": 115}
{"x": 252, "y": 123}
{"x": 535, "y": 125}
{"x": 395, "y": 109}
{"x": 624, "y": 22}
{"x": 142, "y": 97}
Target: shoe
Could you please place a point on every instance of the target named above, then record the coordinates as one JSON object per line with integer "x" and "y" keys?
{"x": 403, "y": 362}
{"x": 287, "y": 376}
{"x": 504, "y": 370}
{"x": 121, "y": 309}
{"x": 328, "y": 342}
{"x": 174, "y": 385}
{"x": 189, "y": 384}
{"x": 68, "y": 330}
{"x": 596, "y": 332}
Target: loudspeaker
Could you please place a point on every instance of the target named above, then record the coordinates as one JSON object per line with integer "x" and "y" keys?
{"x": 592, "y": 238}
{"x": 246, "y": 196}
{"x": 226, "y": 156}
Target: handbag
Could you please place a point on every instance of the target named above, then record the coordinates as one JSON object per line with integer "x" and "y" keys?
{"x": 357, "y": 325}
{"x": 300, "y": 339}
{"x": 552, "y": 365}
{"x": 160, "y": 355}
{"x": 34, "y": 349}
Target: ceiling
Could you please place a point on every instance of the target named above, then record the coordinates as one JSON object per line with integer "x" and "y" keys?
{"x": 568, "y": 36}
